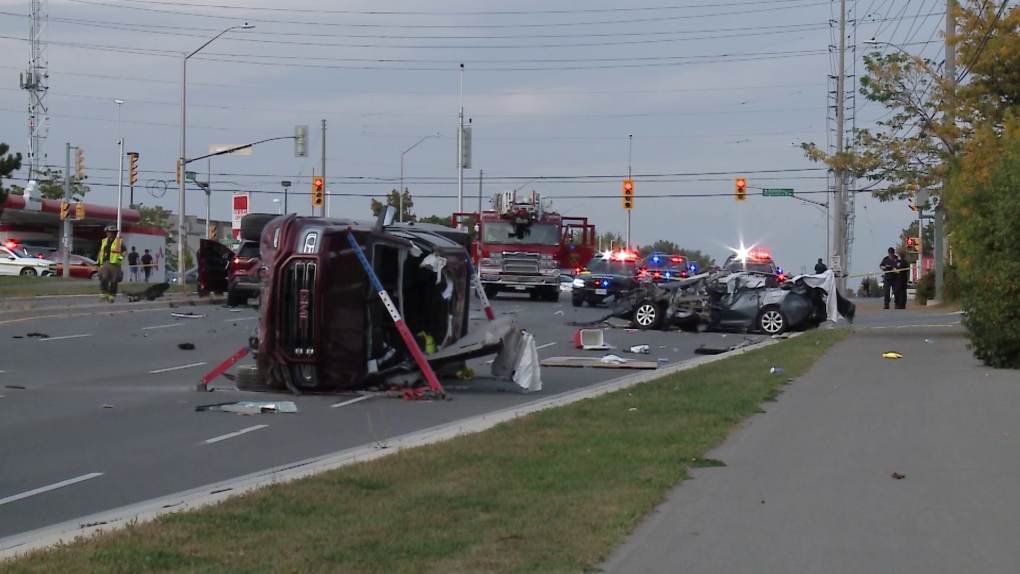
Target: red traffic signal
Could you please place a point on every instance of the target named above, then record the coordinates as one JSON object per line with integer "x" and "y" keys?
{"x": 741, "y": 189}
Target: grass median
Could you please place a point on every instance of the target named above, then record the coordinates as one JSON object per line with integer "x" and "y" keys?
{"x": 553, "y": 491}
{"x": 26, "y": 287}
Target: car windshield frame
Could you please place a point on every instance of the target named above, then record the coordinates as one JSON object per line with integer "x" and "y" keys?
{"x": 541, "y": 234}
{"x": 249, "y": 244}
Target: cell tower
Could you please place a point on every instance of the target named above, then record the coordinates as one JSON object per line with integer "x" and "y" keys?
{"x": 36, "y": 82}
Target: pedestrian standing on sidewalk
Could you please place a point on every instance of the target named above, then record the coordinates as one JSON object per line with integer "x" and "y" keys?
{"x": 133, "y": 264}
{"x": 901, "y": 280}
{"x": 889, "y": 279}
{"x": 820, "y": 267}
{"x": 111, "y": 254}
{"x": 146, "y": 265}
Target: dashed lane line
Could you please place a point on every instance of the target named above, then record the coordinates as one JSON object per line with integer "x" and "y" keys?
{"x": 162, "y": 326}
{"x": 234, "y": 434}
{"x": 44, "y": 489}
{"x": 180, "y": 368}
{"x": 66, "y": 337}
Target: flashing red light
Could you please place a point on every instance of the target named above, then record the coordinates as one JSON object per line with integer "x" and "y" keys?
{"x": 643, "y": 272}
{"x": 625, "y": 255}
{"x": 577, "y": 271}
{"x": 677, "y": 259}
{"x": 782, "y": 277}
{"x": 658, "y": 274}
{"x": 759, "y": 254}
{"x": 11, "y": 244}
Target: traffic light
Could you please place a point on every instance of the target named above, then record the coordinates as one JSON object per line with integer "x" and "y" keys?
{"x": 79, "y": 164}
{"x": 133, "y": 178}
{"x": 178, "y": 172}
{"x": 318, "y": 191}
{"x": 628, "y": 195}
{"x": 741, "y": 189}
{"x": 79, "y": 211}
{"x": 914, "y": 244}
{"x": 64, "y": 208}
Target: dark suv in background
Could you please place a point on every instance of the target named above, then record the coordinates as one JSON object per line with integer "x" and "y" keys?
{"x": 608, "y": 274}
{"x": 243, "y": 276}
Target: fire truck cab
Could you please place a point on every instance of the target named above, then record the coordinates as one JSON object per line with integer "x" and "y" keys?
{"x": 524, "y": 246}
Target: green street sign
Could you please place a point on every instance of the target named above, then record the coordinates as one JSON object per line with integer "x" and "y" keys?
{"x": 190, "y": 175}
{"x": 777, "y": 192}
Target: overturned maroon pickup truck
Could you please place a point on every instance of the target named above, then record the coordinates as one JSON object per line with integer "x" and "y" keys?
{"x": 323, "y": 326}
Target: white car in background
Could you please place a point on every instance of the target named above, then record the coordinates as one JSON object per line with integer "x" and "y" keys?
{"x": 13, "y": 264}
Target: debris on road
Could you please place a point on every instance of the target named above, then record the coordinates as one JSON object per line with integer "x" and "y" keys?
{"x": 590, "y": 340}
{"x": 17, "y": 387}
{"x": 151, "y": 293}
{"x": 251, "y": 408}
{"x": 776, "y": 371}
{"x": 898, "y": 476}
{"x": 186, "y": 346}
{"x": 892, "y": 355}
{"x": 187, "y": 316}
{"x": 593, "y": 363}
{"x": 37, "y": 336}
{"x": 703, "y": 350}
{"x": 105, "y": 406}
{"x": 929, "y": 342}
{"x": 640, "y": 350}
{"x": 465, "y": 374}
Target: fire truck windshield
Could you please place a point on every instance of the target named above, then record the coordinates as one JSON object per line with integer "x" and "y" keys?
{"x": 502, "y": 232}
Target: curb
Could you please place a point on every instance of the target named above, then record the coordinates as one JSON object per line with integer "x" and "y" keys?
{"x": 119, "y": 518}
{"x": 85, "y": 310}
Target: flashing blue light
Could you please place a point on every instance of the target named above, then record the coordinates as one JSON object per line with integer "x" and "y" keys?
{"x": 668, "y": 274}
{"x": 694, "y": 267}
{"x": 605, "y": 283}
{"x": 655, "y": 259}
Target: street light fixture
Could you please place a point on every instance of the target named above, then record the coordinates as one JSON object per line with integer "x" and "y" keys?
{"x": 285, "y": 184}
{"x": 182, "y": 237}
{"x": 400, "y": 192}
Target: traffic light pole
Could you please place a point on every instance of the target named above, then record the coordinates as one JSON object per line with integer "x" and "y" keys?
{"x": 322, "y": 209}
{"x": 66, "y": 255}
{"x": 630, "y": 156}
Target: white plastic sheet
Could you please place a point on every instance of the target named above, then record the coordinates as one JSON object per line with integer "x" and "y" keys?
{"x": 826, "y": 282}
{"x": 528, "y": 374}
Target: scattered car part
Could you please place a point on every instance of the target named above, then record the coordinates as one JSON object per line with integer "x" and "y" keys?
{"x": 582, "y": 362}
{"x": 203, "y": 383}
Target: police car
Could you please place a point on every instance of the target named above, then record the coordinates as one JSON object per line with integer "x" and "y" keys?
{"x": 662, "y": 268}
{"x": 608, "y": 274}
{"x": 14, "y": 263}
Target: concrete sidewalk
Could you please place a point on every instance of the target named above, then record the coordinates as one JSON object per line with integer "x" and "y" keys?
{"x": 808, "y": 486}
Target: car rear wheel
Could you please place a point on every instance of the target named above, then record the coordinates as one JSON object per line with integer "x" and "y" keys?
{"x": 235, "y": 299}
{"x": 26, "y": 272}
{"x": 772, "y": 321}
{"x": 647, "y": 315}
{"x": 576, "y": 301}
{"x": 93, "y": 276}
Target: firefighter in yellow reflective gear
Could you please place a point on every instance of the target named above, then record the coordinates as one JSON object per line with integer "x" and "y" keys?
{"x": 111, "y": 254}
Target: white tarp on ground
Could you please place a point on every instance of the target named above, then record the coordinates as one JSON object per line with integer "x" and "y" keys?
{"x": 826, "y": 282}
{"x": 528, "y": 374}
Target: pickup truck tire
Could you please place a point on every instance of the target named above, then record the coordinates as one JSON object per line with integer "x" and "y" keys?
{"x": 491, "y": 291}
{"x": 235, "y": 299}
{"x": 248, "y": 378}
{"x": 576, "y": 301}
{"x": 253, "y": 224}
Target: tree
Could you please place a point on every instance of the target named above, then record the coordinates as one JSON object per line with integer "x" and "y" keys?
{"x": 983, "y": 191}
{"x": 393, "y": 199}
{"x": 159, "y": 218}
{"x": 702, "y": 260}
{"x": 929, "y": 120}
{"x": 51, "y": 186}
{"x": 8, "y": 165}
{"x": 435, "y": 219}
{"x": 609, "y": 240}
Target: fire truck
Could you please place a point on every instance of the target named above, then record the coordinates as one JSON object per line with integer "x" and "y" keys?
{"x": 521, "y": 245}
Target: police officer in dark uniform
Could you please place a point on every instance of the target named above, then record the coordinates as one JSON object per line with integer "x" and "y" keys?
{"x": 889, "y": 279}
{"x": 901, "y": 280}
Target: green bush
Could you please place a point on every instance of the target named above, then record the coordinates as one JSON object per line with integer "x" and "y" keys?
{"x": 950, "y": 287}
{"x": 983, "y": 200}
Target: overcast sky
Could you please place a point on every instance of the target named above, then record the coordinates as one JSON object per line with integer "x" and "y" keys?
{"x": 710, "y": 90}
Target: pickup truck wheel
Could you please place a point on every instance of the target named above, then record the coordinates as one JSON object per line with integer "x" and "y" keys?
{"x": 772, "y": 321}
{"x": 552, "y": 295}
{"x": 535, "y": 295}
{"x": 647, "y": 316}
{"x": 491, "y": 291}
{"x": 27, "y": 272}
{"x": 235, "y": 299}
{"x": 576, "y": 302}
{"x": 248, "y": 378}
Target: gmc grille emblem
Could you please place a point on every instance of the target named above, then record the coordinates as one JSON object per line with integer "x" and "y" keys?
{"x": 303, "y": 299}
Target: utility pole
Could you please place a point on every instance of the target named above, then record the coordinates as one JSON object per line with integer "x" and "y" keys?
{"x": 939, "y": 213}
{"x": 478, "y": 242}
{"x": 208, "y": 199}
{"x": 630, "y": 156}
{"x": 66, "y": 255}
{"x": 325, "y": 185}
{"x": 838, "y": 223}
{"x": 120, "y": 172}
{"x": 460, "y": 147}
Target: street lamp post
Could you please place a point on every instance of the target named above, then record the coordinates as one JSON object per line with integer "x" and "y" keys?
{"x": 182, "y": 236}
{"x": 286, "y": 185}
{"x": 120, "y": 172}
{"x": 400, "y": 192}
{"x": 279, "y": 206}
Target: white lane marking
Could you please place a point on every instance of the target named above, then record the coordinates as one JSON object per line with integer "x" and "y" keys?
{"x": 241, "y": 319}
{"x": 180, "y": 368}
{"x": 54, "y": 486}
{"x": 351, "y": 402}
{"x": 545, "y": 346}
{"x": 66, "y": 337}
{"x": 162, "y": 327}
{"x": 235, "y": 434}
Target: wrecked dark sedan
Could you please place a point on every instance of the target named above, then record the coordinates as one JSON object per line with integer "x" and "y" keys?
{"x": 323, "y": 326}
{"x": 739, "y": 302}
